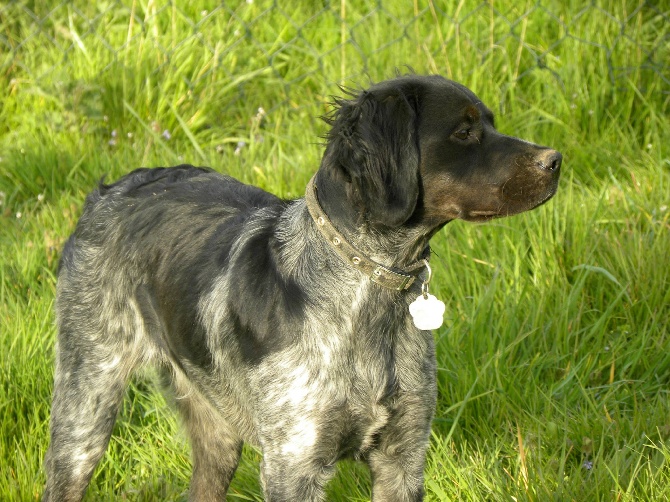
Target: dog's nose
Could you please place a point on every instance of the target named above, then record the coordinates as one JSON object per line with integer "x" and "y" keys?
{"x": 549, "y": 160}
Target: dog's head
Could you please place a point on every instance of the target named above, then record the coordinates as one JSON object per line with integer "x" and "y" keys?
{"x": 424, "y": 150}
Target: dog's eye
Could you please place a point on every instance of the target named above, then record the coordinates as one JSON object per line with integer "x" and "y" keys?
{"x": 462, "y": 134}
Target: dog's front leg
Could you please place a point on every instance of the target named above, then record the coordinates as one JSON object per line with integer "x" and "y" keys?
{"x": 397, "y": 460}
{"x": 291, "y": 478}
{"x": 298, "y": 458}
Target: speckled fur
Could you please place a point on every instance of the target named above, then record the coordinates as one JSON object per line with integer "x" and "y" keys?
{"x": 265, "y": 335}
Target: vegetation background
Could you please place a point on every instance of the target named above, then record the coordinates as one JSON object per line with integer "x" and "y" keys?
{"x": 554, "y": 368}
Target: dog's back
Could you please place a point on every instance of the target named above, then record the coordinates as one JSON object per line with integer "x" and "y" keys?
{"x": 148, "y": 199}
{"x": 145, "y": 250}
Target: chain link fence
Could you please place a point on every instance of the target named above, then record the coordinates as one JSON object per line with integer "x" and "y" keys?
{"x": 296, "y": 42}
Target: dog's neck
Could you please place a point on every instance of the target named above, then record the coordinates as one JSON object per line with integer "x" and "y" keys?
{"x": 400, "y": 247}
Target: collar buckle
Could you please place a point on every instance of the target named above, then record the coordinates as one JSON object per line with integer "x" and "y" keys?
{"x": 391, "y": 279}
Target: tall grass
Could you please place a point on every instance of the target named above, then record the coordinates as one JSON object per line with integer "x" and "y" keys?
{"x": 554, "y": 365}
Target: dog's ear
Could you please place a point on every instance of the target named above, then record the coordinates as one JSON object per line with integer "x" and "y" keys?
{"x": 372, "y": 146}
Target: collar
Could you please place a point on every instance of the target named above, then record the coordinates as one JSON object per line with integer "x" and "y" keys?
{"x": 388, "y": 277}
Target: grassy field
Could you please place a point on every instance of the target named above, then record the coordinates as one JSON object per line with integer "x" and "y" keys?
{"x": 554, "y": 365}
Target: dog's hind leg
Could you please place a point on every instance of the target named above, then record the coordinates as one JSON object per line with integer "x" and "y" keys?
{"x": 215, "y": 446}
{"x": 93, "y": 364}
{"x": 87, "y": 397}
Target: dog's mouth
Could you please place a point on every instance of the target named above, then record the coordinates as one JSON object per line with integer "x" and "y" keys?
{"x": 549, "y": 195}
{"x": 481, "y": 216}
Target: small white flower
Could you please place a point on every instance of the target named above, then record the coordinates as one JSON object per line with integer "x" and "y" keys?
{"x": 40, "y": 197}
{"x": 18, "y": 215}
{"x": 130, "y": 135}
{"x": 166, "y": 134}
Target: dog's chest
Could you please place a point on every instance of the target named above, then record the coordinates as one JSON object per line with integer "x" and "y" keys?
{"x": 342, "y": 380}
{"x": 352, "y": 364}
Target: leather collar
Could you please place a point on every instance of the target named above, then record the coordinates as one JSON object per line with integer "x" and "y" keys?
{"x": 388, "y": 277}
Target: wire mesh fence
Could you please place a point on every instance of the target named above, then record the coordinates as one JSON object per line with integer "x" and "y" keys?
{"x": 232, "y": 43}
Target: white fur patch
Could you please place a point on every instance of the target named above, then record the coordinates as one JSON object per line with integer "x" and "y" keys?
{"x": 301, "y": 437}
{"x": 110, "y": 364}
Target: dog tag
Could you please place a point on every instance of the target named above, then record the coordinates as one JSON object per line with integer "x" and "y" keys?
{"x": 427, "y": 312}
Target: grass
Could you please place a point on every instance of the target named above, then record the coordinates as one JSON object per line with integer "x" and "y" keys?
{"x": 554, "y": 365}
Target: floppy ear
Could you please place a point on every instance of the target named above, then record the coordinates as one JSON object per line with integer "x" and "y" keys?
{"x": 372, "y": 146}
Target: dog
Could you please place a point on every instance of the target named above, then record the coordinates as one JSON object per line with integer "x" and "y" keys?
{"x": 283, "y": 323}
